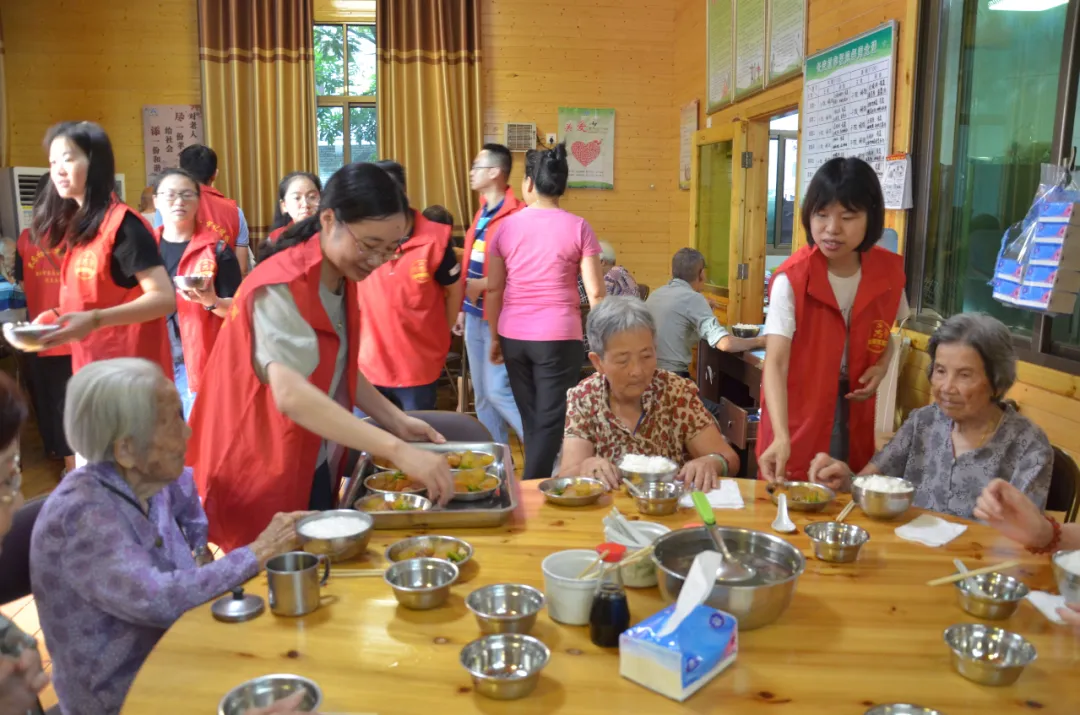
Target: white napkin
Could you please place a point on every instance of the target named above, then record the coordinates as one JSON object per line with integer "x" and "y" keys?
{"x": 1048, "y": 603}
{"x": 699, "y": 582}
{"x": 726, "y": 496}
{"x": 930, "y": 530}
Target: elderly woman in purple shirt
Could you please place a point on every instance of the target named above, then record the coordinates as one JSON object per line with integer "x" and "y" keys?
{"x": 116, "y": 551}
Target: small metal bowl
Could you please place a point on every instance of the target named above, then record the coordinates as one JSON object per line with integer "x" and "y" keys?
{"x": 505, "y": 607}
{"x": 27, "y": 336}
{"x": 658, "y": 498}
{"x": 640, "y": 478}
{"x": 338, "y": 548}
{"x": 478, "y": 495}
{"x": 826, "y": 495}
{"x": 396, "y": 552}
{"x": 901, "y": 709}
{"x": 994, "y": 596}
{"x": 385, "y": 502}
{"x": 746, "y": 331}
{"x": 836, "y": 542}
{"x": 883, "y": 505}
{"x": 267, "y": 690}
{"x": 1067, "y": 581}
{"x": 505, "y": 666}
{"x": 196, "y": 282}
{"x": 988, "y": 655}
{"x": 548, "y": 487}
{"x": 421, "y": 584}
{"x": 371, "y": 483}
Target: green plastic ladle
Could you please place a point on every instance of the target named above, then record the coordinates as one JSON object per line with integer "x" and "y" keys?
{"x": 730, "y": 569}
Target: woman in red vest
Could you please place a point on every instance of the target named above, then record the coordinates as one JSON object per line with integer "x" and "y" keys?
{"x": 114, "y": 291}
{"x": 831, "y": 310}
{"x": 38, "y": 270}
{"x": 274, "y": 420}
{"x": 189, "y": 248}
{"x": 298, "y": 198}
{"x": 407, "y": 310}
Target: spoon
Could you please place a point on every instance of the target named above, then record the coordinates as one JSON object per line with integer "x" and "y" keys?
{"x": 783, "y": 522}
{"x": 632, "y": 489}
{"x": 971, "y": 584}
{"x": 730, "y": 569}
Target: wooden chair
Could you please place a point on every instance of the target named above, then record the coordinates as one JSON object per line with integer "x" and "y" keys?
{"x": 15, "y": 553}
{"x": 1064, "y": 492}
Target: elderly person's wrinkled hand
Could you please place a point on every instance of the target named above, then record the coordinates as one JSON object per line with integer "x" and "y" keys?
{"x": 288, "y": 706}
{"x": 1008, "y": 510}
{"x": 279, "y": 537}
{"x": 21, "y": 679}
{"x": 700, "y": 474}
{"x": 833, "y": 473}
{"x": 602, "y": 469}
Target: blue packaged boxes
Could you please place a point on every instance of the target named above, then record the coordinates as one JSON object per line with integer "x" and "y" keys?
{"x": 1046, "y": 276}
{"x": 679, "y": 664}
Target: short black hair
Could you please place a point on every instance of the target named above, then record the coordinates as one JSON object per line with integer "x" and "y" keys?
{"x": 200, "y": 161}
{"x": 439, "y": 214}
{"x": 686, "y": 264}
{"x": 501, "y": 156}
{"x": 395, "y": 170}
{"x": 548, "y": 169}
{"x": 854, "y": 185}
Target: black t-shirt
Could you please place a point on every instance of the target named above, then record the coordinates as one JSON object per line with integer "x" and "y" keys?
{"x": 449, "y": 271}
{"x": 226, "y": 281}
{"x": 135, "y": 250}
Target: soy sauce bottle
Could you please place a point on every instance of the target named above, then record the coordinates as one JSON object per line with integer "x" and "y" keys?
{"x": 610, "y": 614}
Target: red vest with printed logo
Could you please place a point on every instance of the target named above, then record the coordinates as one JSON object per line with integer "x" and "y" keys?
{"x": 404, "y": 337}
{"x": 86, "y": 284}
{"x": 251, "y": 461}
{"x": 817, "y": 351}
{"x": 199, "y": 327}
{"x": 41, "y": 282}
{"x": 219, "y": 214}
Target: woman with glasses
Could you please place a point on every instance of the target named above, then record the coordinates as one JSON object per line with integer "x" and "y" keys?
{"x": 114, "y": 291}
{"x": 274, "y": 422}
{"x": 189, "y": 248}
{"x": 21, "y": 674}
{"x": 298, "y": 198}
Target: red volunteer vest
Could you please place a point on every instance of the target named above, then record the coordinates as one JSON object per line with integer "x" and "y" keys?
{"x": 219, "y": 214}
{"x": 510, "y": 205}
{"x": 87, "y": 284}
{"x": 199, "y": 327}
{"x": 41, "y": 283}
{"x": 818, "y": 349}
{"x": 251, "y": 461}
{"x": 404, "y": 337}
{"x": 276, "y": 233}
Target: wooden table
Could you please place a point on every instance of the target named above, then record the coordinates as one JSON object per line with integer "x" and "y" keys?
{"x": 855, "y": 635}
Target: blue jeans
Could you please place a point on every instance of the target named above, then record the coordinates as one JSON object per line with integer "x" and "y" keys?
{"x": 187, "y": 397}
{"x": 495, "y": 406}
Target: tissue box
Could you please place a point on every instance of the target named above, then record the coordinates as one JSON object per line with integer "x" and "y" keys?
{"x": 1052, "y": 277}
{"x": 1047, "y": 299}
{"x": 1006, "y": 291}
{"x": 1057, "y": 212}
{"x": 680, "y": 663}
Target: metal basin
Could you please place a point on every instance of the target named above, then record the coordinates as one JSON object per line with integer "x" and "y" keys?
{"x": 505, "y": 607}
{"x": 755, "y": 603}
{"x": 267, "y": 690}
{"x": 421, "y": 584}
{"x": 336, "y": 548}
{"x": 993, "y": 596}
{"x": 987, "y": 655}
{"x": 836, "y": 542}
{"x": 505, "y": 666}
{"x": 658, "y": 498}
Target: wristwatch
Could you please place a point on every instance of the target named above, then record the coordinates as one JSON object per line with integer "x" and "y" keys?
{"x": 723, "y": 463}
{"x": 211, "y": 308}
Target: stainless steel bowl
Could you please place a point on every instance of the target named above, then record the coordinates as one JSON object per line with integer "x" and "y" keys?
{"x": 826, "y": 496}
{"x": 1067, "y": 581}
{"x": 836, "y": 542}
{"x": 483, "y": 493}
{"x": 883, "y": 505}
{"x": 988, "y": 655}
{"x": 196, "y": 282}
{"x": 371, "y": 480}
{"x": 338, "y": 548}
{"x": 505, "y": 666}
{"x": 267, "y": 690}
{"x": 639, "y": 478}
{"x": 901, "y": 709}
{"x": 396, "y": 552}
{"x": 992, "y": 596}
{"x": 27, "y": 336}
{"x": 755, "y": 603}
{"x": 385, "y": 502}
{"x": 421, "y": 584}
{"x": 505, "y": 607}
{"x": 658, "y": 498}
{"x": 550, "y": 486}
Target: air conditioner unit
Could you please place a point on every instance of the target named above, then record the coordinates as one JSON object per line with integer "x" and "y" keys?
{"x": 520, "y": 136}
{"x": 18, "y": 184}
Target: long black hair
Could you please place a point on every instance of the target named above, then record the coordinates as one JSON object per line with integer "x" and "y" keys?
{"x": 548, "y": 170}
{"x": 355, "y": 192}
{"x": 280, "y": 217}
{"x": 854, "y": 184}
{"x": 58, "y": 219}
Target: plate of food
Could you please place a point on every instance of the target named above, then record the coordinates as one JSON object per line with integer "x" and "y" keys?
{"x": 803, "y": 496}
{"x": 393, "y": 483}
{"x": 198, "y": 281}
{"x": 745, "y": 330}
{"x": 467, "y": 459}
{"x": 380, "y": 502}
{"x": 572, "y": 491}
{"x": 474, "y": 484}
{"x": 446, "y": 548}
{"x": 27, "y": 336}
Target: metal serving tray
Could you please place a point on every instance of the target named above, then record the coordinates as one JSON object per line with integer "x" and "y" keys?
{"x": 492, "y": 511}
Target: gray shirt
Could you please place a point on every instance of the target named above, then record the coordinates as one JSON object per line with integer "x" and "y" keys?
{"x": 922, "y": 452}
{"x": 682, "y": 316}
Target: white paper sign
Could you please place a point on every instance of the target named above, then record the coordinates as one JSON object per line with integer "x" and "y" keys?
{"x": 167, "y": 129}
{"x": 590, "y": 146}
{"x": 896, "y": 184}
{"x": 688, "y": 123}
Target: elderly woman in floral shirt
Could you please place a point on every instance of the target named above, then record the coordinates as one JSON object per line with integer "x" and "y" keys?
{"x": 630, "y": 407}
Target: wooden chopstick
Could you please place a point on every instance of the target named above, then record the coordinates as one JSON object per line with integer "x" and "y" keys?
{"x": 356, "y": 573}
{"x": 846, "y": 510}
{"x": 973, "y": 572}
{"x": 638, "y": 555}
{"x": 593, "y": 565}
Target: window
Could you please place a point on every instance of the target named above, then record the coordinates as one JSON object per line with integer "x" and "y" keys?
{"x": 989, "y": 118}
{"x": 345, "y": 85}
{"x": 783, "y": 166}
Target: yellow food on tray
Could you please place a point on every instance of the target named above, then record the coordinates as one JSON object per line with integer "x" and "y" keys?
{"x": 448, "y": 552}
{"x": 469, "y": 460}
{"x": 577, "y": 489}
{"x": 398, "y": 504}
{"x": 394, "y": 482}
{"x": 474, "y": 480}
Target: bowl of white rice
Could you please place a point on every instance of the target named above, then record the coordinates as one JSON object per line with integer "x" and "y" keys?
{"x": 339, "y": 534}
{"x": 639, "y": 469}
{"x": 882, "y": 497}
{"x": 1067, "y": 571}
{"x": 745, "y": 330}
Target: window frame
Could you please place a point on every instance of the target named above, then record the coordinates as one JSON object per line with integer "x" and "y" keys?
{"x": 773, "y": 244}
{"x": 1039, "y": 348}
{"x": 345, "y": 101}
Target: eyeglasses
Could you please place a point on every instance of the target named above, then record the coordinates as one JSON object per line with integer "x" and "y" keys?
{"x": 170, "y": 196}
{"x": 483, "y": 166}
{"x": 375, "y": 256}
{"x": 9, "y": 491}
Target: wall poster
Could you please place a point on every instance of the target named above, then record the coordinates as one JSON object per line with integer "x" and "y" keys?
{"x": 719, "y": 55}
{"x": 787, "y": 39}
{"x": 688, "y": 124}
{"x": 590, "y": 146}
{"x": 167, "y": 129}
{"x": 749, "y": 47}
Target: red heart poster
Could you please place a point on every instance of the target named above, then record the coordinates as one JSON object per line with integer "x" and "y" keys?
{"x": 589, "y": 135}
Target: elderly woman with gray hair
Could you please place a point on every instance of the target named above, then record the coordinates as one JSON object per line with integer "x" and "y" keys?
{"x": 116, "y": 551}
{"x": 630, "y": 407}
{"x": 969, "y": 437}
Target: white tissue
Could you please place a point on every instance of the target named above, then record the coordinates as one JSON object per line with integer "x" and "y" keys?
{"x": 699, "y": 582}
{"x": 930, "y": 530}
{"x": 726, "y": 496}
{"x": 1048, "y": 603}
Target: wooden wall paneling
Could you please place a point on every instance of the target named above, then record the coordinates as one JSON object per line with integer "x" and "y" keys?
{"x": 739, "y": 184}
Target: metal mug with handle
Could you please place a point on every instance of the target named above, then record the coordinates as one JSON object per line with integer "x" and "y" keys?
{"x": 294, "y": 582}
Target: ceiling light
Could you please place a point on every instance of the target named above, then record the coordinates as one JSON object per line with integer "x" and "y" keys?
{"x": 1025, "y": 5}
